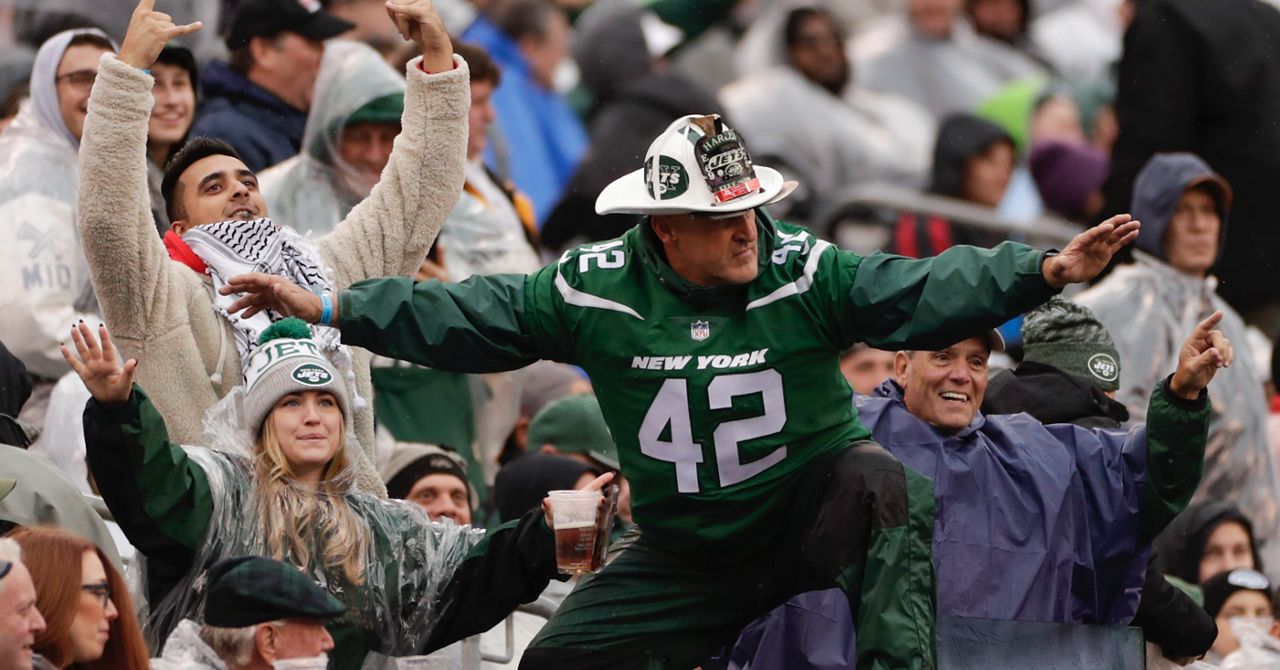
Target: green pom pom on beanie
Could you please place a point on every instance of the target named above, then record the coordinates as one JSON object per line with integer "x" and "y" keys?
{"x": 292, "y": 328}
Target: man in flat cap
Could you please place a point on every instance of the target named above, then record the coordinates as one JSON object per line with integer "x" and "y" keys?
{"x": 259, "y": 611}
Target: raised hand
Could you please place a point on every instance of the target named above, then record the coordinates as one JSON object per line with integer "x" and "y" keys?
{"x": 266, "y": 291}
{"x": 147, "y": 34}
{"x": 1089, "y": 252}
{"x": 1202, "y": 353}
{"x": 97, "y": 365}
{"x": 418, "y": 21}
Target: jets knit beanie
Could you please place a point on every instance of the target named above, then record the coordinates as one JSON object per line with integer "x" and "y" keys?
{"x": 1067, "y": 336}
{"x": 288, "y": 361}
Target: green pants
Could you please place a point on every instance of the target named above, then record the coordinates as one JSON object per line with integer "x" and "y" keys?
{"x": 859, "y": 520}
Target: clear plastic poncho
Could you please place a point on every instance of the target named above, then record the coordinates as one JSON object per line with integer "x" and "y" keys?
{"x": 313, "y": 191}
{"x": 407, "y": 559}
{"x": 44, "y": 277}
{"x": 1150, "y": 309}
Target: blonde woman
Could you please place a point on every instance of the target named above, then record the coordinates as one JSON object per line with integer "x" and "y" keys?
{"x": 275, "y": 479}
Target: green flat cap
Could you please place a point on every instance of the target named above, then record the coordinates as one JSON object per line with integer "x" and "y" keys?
{"x": 574, "y": 425}
{"x": 249, "y": 590}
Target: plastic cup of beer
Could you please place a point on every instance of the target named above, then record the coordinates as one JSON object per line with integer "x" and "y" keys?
{"x": 575, "y": 516}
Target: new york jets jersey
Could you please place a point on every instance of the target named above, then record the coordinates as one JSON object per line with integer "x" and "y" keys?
{"x": 715, "y": 397}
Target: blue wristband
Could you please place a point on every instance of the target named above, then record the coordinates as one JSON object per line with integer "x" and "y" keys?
{"x": 326, "y": 309}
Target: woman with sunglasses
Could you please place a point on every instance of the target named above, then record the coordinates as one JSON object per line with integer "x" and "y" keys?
{"x": 89, "y": 616}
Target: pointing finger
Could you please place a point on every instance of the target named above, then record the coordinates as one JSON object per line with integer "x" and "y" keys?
{"x": 1203, "y": 328}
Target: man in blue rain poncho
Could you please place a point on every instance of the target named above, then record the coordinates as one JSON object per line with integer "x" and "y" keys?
{"x": 1039, "y": 522}
{"x": 1032, "y": 521}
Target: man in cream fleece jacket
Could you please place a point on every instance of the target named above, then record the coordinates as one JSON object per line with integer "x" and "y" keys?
{"x": 162, "y": 311}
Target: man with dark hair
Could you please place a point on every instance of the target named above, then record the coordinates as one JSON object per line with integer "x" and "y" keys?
{"x": 541, "y": 135}
{"x": 161, "y": 306}
{"x": 258, "y": 101}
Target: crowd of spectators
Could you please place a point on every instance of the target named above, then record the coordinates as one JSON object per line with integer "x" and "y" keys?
{"x": 150, "y": 153}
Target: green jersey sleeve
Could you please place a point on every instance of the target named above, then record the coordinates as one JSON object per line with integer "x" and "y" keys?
{"x": 894, "y": 302}
{"x": 477, "y": 325}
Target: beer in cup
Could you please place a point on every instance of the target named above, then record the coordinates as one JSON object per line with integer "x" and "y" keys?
{"x": 575, "y": 516}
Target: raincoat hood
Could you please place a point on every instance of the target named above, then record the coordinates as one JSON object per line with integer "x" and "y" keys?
{"x": 1158, "y": 188}
{"x": 1181, "y": 545}
{"x": 44, "y": 280}
{"x": 44, "y": 88}
{"x": 315, "y": 190}
{"x": 960, "y": 137}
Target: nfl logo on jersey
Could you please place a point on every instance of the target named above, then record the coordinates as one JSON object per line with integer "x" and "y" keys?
{"x": 700, "y": 330}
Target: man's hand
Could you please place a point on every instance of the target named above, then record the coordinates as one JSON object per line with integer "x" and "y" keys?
{"x": 1089, "y": 252}
{"x": 97, "y": 365}
{"x": 148, "y": 32}
{"x": 1203, "y": 352}
{"x": 596, "y": 484}
{"x": 418, "y": 21}
{"x": 266, "y": 291}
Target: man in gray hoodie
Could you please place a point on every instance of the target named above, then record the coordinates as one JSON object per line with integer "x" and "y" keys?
{"x": 1183, "y": 206}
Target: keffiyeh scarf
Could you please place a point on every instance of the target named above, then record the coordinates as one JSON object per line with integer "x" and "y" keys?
{"x": 232, "y": 248}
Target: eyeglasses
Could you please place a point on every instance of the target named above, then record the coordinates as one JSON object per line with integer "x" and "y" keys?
{"x": 101, "y": 591}
{"x": 79, "y": 79}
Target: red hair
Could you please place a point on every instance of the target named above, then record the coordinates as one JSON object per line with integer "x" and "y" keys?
{"x": 54, "y": 558}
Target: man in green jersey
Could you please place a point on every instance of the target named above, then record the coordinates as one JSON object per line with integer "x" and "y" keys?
{"x": 712, "y": 335}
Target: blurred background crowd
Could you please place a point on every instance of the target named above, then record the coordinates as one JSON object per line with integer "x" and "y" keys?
{"x": 911, "y": 126}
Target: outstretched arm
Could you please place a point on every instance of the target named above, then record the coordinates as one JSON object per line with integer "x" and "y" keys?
{"x": 127, "y": 261}
{"x": 389, "y": 233}
{"x": 157, "y": 494}
{"x": 479, "y": 325}
{"x": 510, "y": 566}
{"x": 930, "y": 303}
